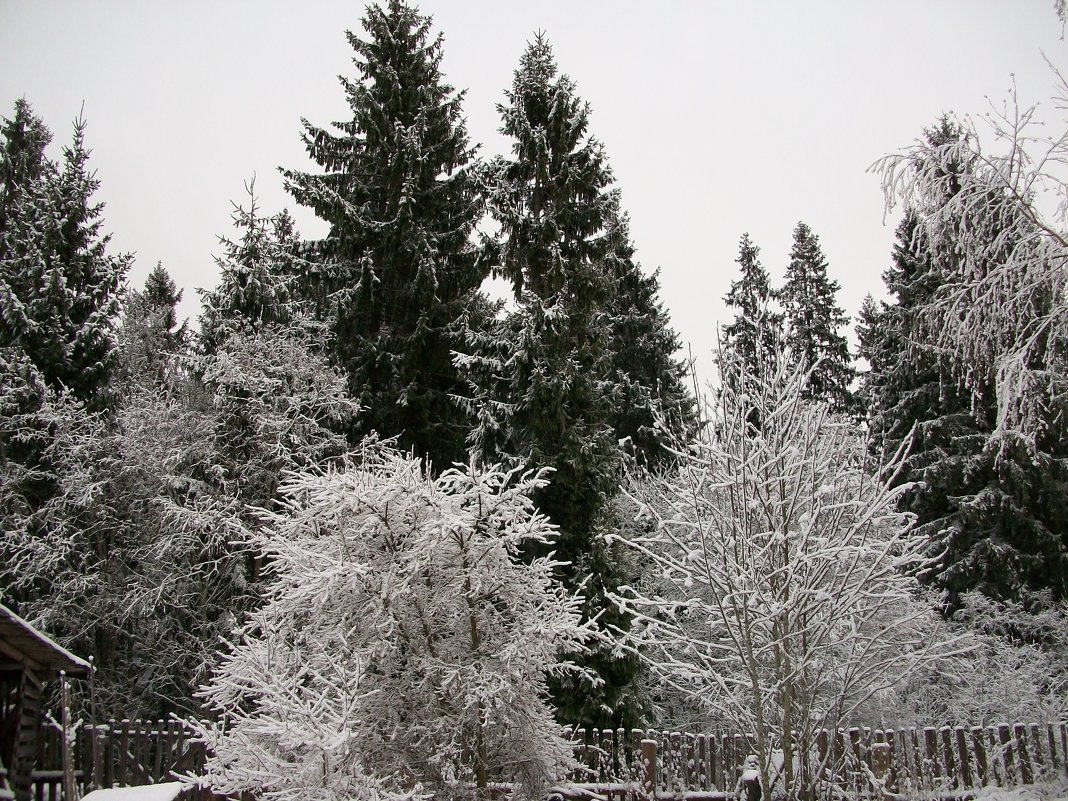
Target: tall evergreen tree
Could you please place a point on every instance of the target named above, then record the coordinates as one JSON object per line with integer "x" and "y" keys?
{"x": 397, "y": 269}
{"x": 992, "y": 507}
{"x": 59, "y": 288}
{"x": 814, "y": 321}
{"x": 756, "y": 330}
{"x": 59, "y": 296}
{"x": 547, "y": 402}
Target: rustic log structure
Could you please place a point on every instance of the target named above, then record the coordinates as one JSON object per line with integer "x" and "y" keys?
{"x": 28, "y": 660}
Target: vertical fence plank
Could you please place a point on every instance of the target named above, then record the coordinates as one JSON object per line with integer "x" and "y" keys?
{"x": 109, "y": 754}
{"x": 1005, "y": 743}
{"x": 1023, "y": 755}
{"x": 949, "y": 770}
{"x": 122, "y": 770}
{"x": 727, "y": 753}
{"x": 902, "y": 769}
{"x": 932, "y": 767}
{"x": 823, "y": 755}
{"x": 979, "y": 750}
{"x": 99, "y": 780}
{"x": 604, "y": 761}
{"x": 855, "y": 758}
{"x": 964, "y": 763}
{"x": 1038, "y": 756}
{"x": 159, "y": 738}
{"x": 1051, "y": 743}
{"x": 678, "y": 749}
{"x": 648, "y": 764}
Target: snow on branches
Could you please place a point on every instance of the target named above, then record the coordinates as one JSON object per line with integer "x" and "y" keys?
{"x": 781, "y": 594}
{"x": 404, "y": 645}
{"x": 995, "y": 216}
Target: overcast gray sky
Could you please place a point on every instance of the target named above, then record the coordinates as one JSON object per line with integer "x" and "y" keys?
{"x": 718, "y": 117}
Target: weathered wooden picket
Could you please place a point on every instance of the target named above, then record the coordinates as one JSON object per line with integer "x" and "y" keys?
{"x": 855, "y": 761}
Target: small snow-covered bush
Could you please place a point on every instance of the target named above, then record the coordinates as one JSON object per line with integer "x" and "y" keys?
{"x": 404, "y": 644}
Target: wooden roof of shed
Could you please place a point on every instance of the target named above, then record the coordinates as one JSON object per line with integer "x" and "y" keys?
{"x": 22, "y": 644}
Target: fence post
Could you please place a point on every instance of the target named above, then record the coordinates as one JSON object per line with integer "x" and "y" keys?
{"x": 68, "y": 766}
{"x": 880, "y": 761}
{"x": 649, "y": 768}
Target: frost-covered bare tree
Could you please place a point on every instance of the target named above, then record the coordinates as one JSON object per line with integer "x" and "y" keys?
{"x": 405, "y": 644}
{"x": 993, "y": 205}
{"x": 782, "y": 593}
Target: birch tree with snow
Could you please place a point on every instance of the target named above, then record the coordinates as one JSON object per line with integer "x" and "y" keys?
{"x": 782, "y": 598}
{"x": 994, "y": 202}
{"x": 404, "y": 645}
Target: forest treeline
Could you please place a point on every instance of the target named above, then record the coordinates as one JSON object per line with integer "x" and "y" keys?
{"x": 143, "y": 463}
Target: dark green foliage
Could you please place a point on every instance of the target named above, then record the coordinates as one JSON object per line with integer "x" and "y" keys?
{"x": 59, "y": 289}
{"x": 59, "y": 295}
{"x": 814, "y": 321}
{"x": 153, "y": 338}
{"x": 396, "y": 271}
{"x": 652, "y": 409}
{"x": 552, "y": 201}
{"x": 993, "y": 507}
{"x": 544, "y": 387}
{"x": 756, "y": 330}
{"x": 259, "y": 276}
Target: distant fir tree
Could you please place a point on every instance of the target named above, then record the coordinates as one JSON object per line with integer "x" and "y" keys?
{"x": 867, "y": 338}
{"x": 814, "y": 321}
{"x": 756, "y": 330}
{"x": 259, "y": 276}
{"x": 397, "y": 269}
{"x": 993, "y": 508}
{"x": 652, "y": 408}
{"x": 546, "y": 396}
{"x": 153, "y": 339}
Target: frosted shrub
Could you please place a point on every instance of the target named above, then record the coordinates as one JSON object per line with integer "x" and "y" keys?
{"x": 404, "y": 645}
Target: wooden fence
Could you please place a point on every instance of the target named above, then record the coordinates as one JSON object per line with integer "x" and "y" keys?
{"x": 857, "y": 761}
{"x": 639, "y": 764}
{"x": 116, "y": 754}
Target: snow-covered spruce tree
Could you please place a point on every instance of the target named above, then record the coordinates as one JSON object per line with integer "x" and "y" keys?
{"x": 756, "y": 330}
{"x": 404, "y": 645}
{"x": 991, "y": 505}
{"x": 815, "y": 322}
{"x": 58, "y": 301}
{"x": 59, "y": 287}
{"x": 781, "y": 575}
{"x": 153, "y": 339}
{"x": 652, "y": 408}
{"x": 397, "y": 269}
{"x": 259, "y": 276}
{"x": 545, "y": 399}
